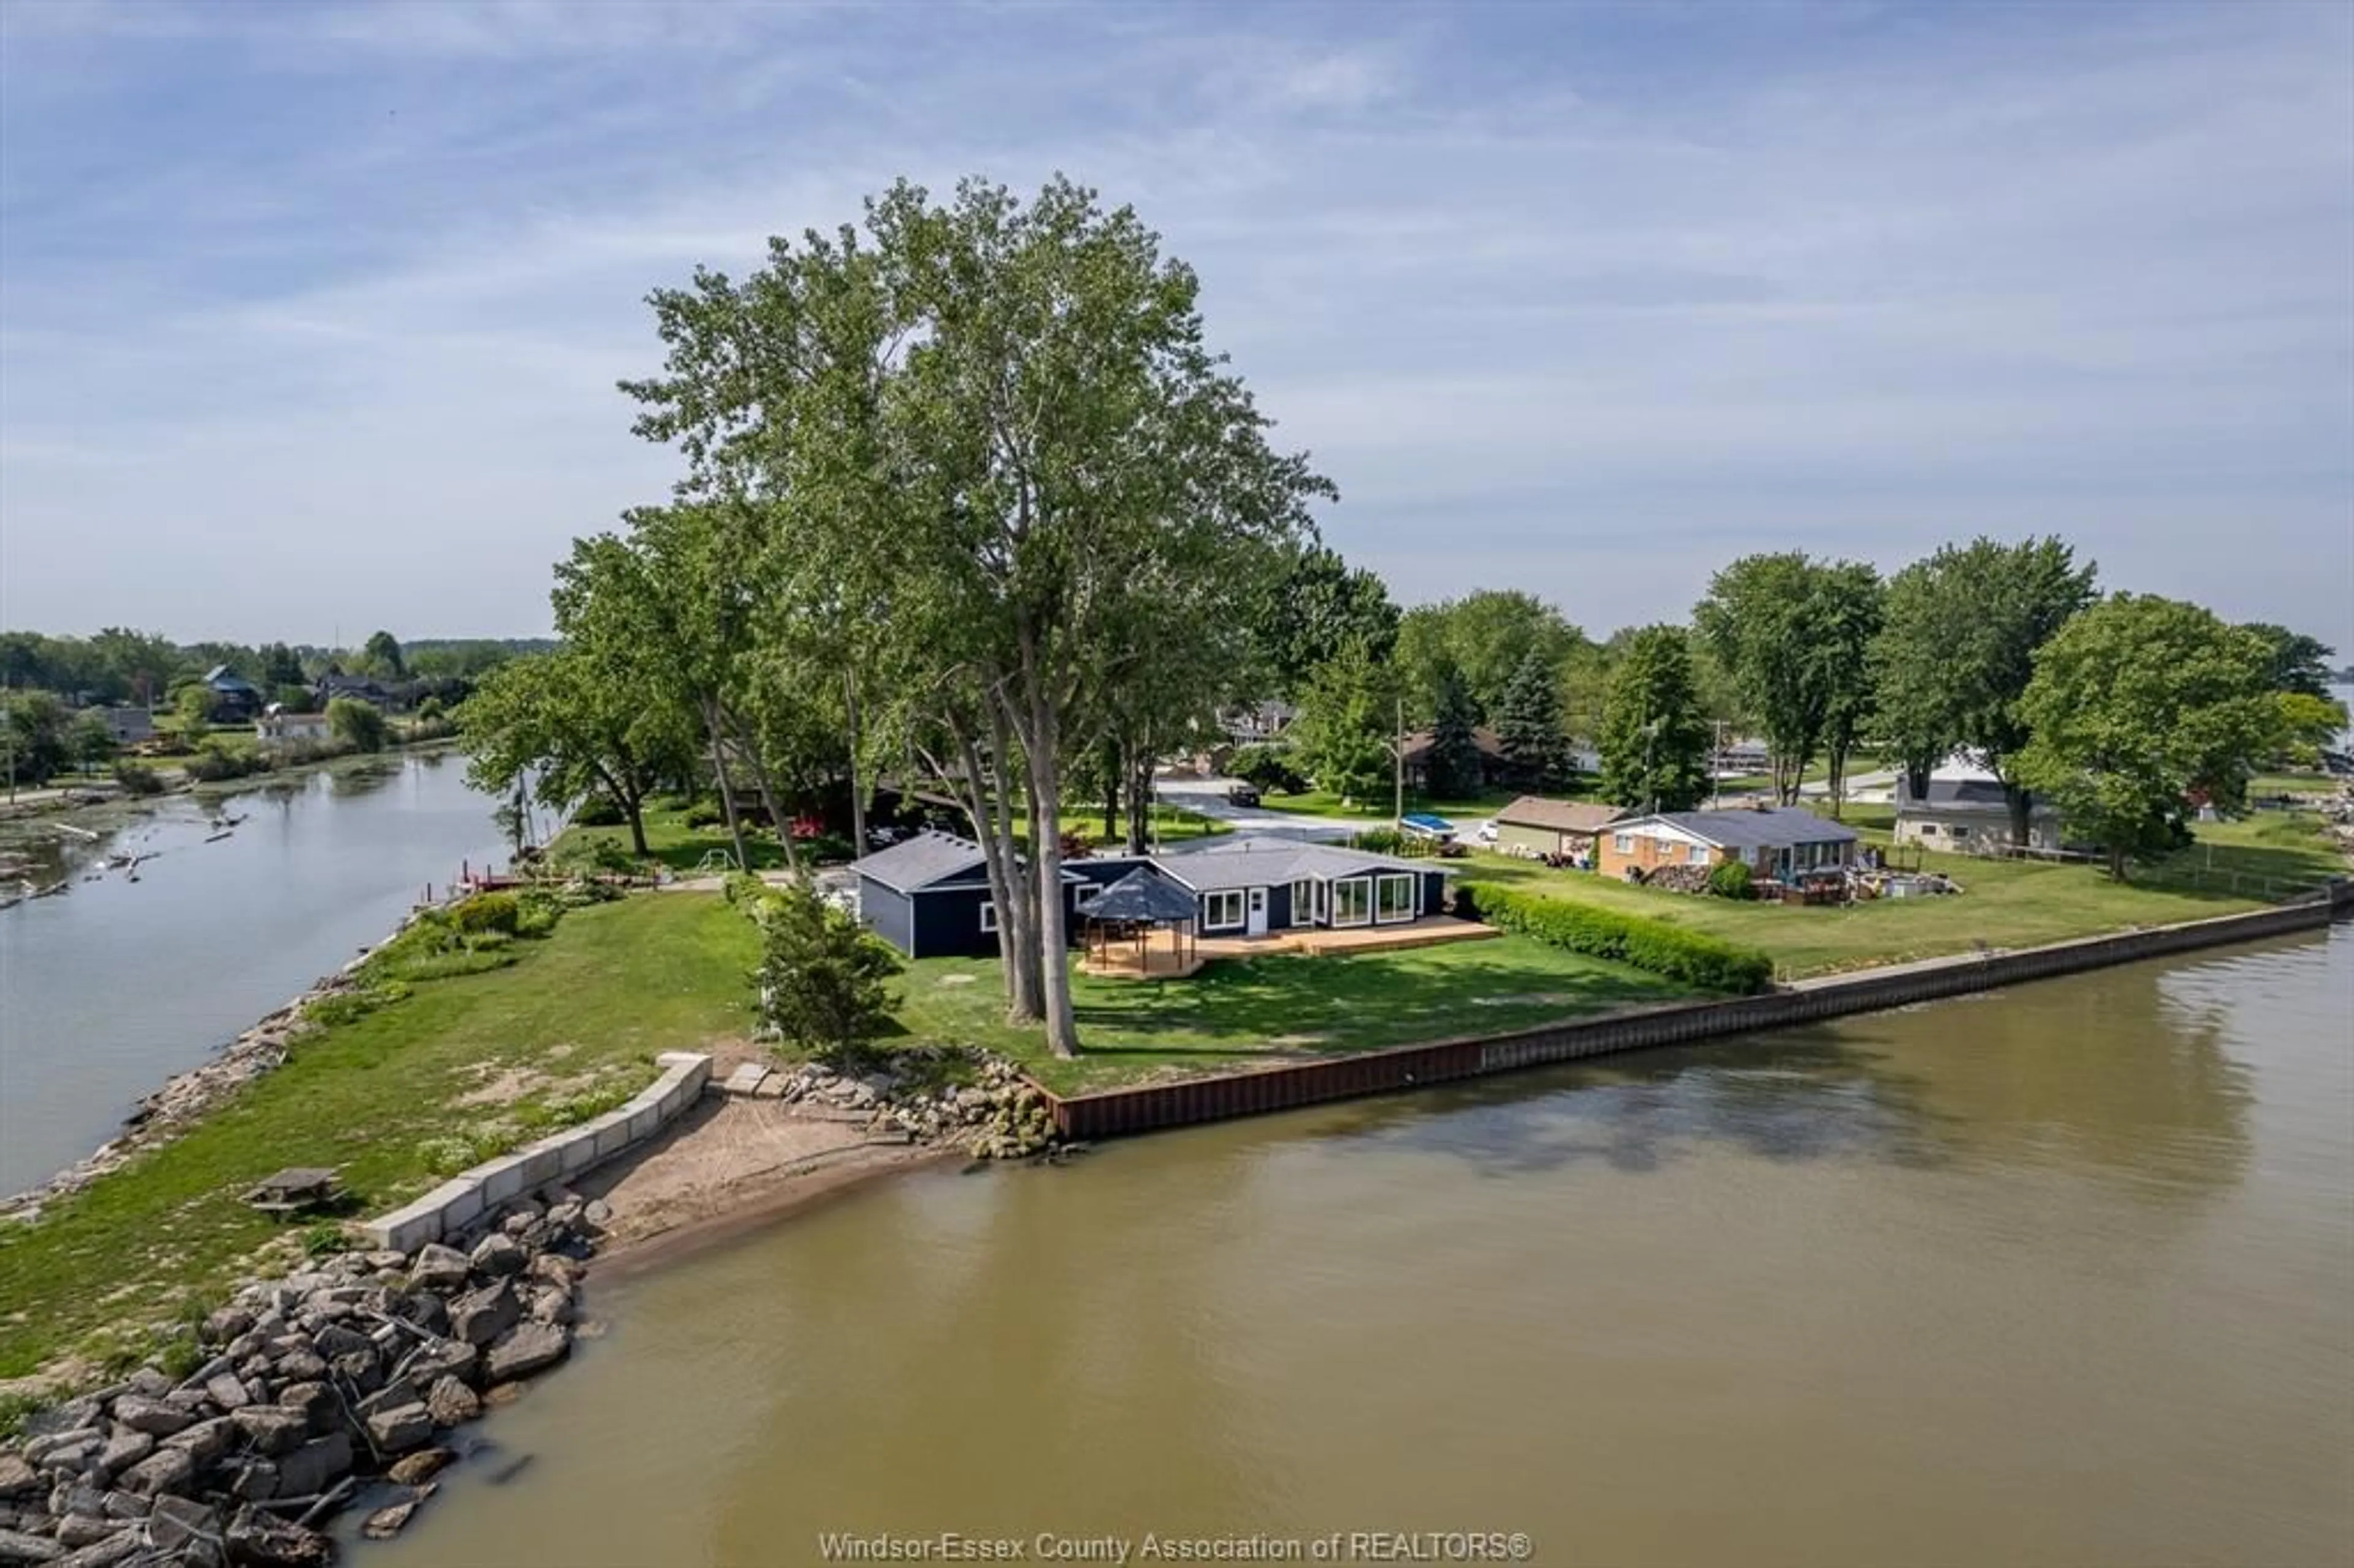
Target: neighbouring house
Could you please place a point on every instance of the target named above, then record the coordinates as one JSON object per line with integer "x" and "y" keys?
{"x": 357, "y": 688}
{"x": 1251, "y": 885}
{"x": 1259, "y": 723}
{"x": 1965, "y": 811}
{"x": 1415, "y": 755}
{"x": 1533, "y": 825}
{"x": 1738, "y": 758}
{"x": 127, "y": 726}
{"x": 1777, "y": 842}
{"x": 233, "y": 699}
{"x": 928, "y": 895}
{"x": 277, "y": 729}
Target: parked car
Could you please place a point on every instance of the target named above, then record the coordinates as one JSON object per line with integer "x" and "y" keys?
{"x": 1485, "y": 833}
{"x": 1242, "y": 794}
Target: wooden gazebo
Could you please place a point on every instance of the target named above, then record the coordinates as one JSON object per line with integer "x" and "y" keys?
{"x": 1125, "y": 919}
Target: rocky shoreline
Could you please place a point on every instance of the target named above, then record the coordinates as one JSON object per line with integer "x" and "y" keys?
{"x": 337, "y": 1386}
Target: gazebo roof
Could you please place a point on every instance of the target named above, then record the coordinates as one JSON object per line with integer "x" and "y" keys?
{"x": 1142, "y": 895}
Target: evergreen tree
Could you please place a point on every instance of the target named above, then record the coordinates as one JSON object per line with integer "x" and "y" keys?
{"x": 823, "y": 980}
{"x": 1347, "y": 723}
{"x": 1528, "y": 722}
{"x": 1655, "y": 734}
{"x": 1451, "y": 769}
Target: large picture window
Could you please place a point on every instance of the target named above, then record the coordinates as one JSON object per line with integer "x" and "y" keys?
{"x": 1397, "y": 900}
{"x": 1303, "y": 903}
{"x": 1222, "y": 911}
{"x": 1352, "y": 901}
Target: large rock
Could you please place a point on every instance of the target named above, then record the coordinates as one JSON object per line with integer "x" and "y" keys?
{"x": 551, "y": 1304}
{"x": 123, "y": 1450}
{"x": 414, "y": 1469}
{"x": 479, "y": 1316}
{"x": 300, "y": 1366}
{"x": 80, "y": 1441}
{"x": 18, "y": 1549}
{"x": 153, "y": 1416}
{"x": 451, "y": 1404}
{"x": 228, "y": 1324}
{"x": 447, "y": 1357}
{"x": 206, "y": 1441}
{"x": 167, "y": 1469}
{"x": 229, "y": 1392}
{"x": 81, "y": 1530}
{"x": 118, "y": 1547}
{"x": 272, "y": 1429}
{"x": 497, "y": 1256}
{"x": 315, "y": 1466}
{"x": 17, "y": 1478}
{"x": 399, "y": 1428}
{"x": 387, "y": 1522}
{"x": 178, "y": 1522}
{"x": 528, "y": 1348}
{"x": 264, "y": 1541}
{"x": 439, "y": 1267}
{"x": 313, "y": 1401}
{"x": 554, "y": 1269}
{"x": 335, "y": 1340}
{"x": 252, "y": 1480}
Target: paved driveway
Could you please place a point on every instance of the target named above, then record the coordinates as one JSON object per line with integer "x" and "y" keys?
{"x": 1208, "y": 796}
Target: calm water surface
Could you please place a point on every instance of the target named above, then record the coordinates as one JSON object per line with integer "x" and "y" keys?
{"x": 111, "y": 987}
{"x": 2060, "y": 1275}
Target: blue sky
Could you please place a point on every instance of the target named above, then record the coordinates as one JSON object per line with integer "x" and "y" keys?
{"x": 309, "y": 316}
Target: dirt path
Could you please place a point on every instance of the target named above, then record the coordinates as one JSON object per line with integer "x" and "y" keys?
{"x": 733, "y": 1163}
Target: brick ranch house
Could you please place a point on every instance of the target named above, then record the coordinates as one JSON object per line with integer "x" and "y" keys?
{"x": 1777, "y": 842}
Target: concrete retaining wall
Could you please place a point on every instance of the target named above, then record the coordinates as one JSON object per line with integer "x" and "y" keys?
{"x": 465, "y": 1198}
{"x": 1412, "y": 1066}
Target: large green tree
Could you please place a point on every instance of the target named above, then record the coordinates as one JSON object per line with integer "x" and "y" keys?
{"x": 2137, "y": 704}
{"x": 1528, "y": 722}
{"x": 1451, "y": 771}
{"x": 1310, "y": 609}
{"x": 37, "y": 729}
{"x": 2299, "y": 663}
{"x": 1790, "y": 632}
{"x": 1346, "y": 733}
{"x": 570, "y": 725}
{"x": 1046, "y": 450}
{"x": 1655, "y": 738}
{"x": 1486, "y": 637}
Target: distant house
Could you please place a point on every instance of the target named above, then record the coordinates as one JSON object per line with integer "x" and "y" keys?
{"x": 928, "y": 895}
{"x": 1416, "y": 757}
{"x": 1259, "y": 723}
{"x": 1741, "y": 757}
{"x": 357, "y": 688}
{"x": 277, "y": 729}
{"x": 1965, "y": 809}
{"x": 127, "y": 726}
{"x": 234, "y": 698}
{"x": 1537, "y": 826}
{"x": 1772, "y": 841}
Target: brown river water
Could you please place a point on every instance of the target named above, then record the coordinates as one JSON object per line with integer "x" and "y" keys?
{"x": 2062, "y": 1275}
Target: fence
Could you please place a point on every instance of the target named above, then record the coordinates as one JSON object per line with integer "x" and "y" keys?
{"x": 1123, "y": 1111}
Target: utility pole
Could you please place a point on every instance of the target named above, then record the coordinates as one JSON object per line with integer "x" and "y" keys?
{"x": 1650, "y": 773}
{"x": 1716, "y": 767}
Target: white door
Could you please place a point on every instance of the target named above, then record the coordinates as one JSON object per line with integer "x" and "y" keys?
{"x": 1257, "y": 925}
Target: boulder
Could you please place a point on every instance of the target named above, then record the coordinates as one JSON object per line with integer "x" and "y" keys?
{"x": 315, "y": 1466}
{"x": 229, "y": 1392}
{"x": 18, "y": 1549}
{"x": 497, "y": 1256}
{"x": 265, "y": 1542}
{"x": 551, "y": 1304}
{"x": 364, "y": 1370}
{"x": 124, "y": 1449}
{"x": 597, "y": 1213}
{"x": 481, "y": 1315}
{"x": 554, "y": 1269}
{"x": 446, "y": 1358}
{"x": 17, "y": 1478}
{"x": 78, "y": 1529}
{"x": 424, "y": 1309}
{"x": 386, "y": 1522}
{"x": 451, "y": 1403}
{"x": 206, "y": 1441}
{"x": 272, "y": 1428}
{"x": 300, "y": 1366}
{"x": 254, "y": 1480}
{"x": 439, "y": 1267}
{"x": 178, "y": 1522}
{"x": 313, "y": 1401}
{"x": 44, "y": 1449}
{"x": 332, "y": 1340}
{"x": 167, "y": 1469}
{"x": 399, "y": 1428}
{"x": 118, "y": 1548}
{"x": 412, "y": 1469}
{"x": 528, "y": 1348}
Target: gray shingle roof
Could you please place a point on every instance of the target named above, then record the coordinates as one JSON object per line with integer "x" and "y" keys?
{"x": 1966, "y": 795}
{"x": 919, "y": 861}
{"x": 1774, "y": 828}
{"x": 1145, "y": 893}
{"x": 1259, "y": 860}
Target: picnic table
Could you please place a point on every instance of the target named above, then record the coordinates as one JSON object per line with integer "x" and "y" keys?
{"x": 294, "y": 1189}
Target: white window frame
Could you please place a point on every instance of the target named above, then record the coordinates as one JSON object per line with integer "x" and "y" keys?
{"x": 1696, "y": 856}
{"x": 989, "y": 917}
{"x": 1363, "y": 883}
{"x": 1623, "y": 843}
{"x": 1210, "y": 903}
{"x": 1303, "y": 902}
{"x": 1383, "y": 885}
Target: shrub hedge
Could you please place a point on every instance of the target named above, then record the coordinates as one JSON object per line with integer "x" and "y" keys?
{"x": 1710, "y": 963}
{"x": 1731, "y": 880}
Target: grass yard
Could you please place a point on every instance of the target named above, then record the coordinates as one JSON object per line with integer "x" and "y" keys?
{"x": 1171, "y": 824}
{"x": 1323, "y": 803}
{"x": 2005, "y": 904}
{"x": 1239, "y": 1012}
{"x": 455, "y": 1072}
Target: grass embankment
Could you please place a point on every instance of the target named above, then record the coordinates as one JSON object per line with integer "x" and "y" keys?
{"x": 2005, "y": 904}
{"x": 459, "y": 1069}
{"x": 1242, "y": 1012}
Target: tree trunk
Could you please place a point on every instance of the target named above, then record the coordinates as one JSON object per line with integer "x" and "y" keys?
{"x": 727, "y": 791}
{"x": 857, "y": 791}
{"x": 1917, "y": 770}
{"x": 1115, "y": 769}
{"x": 1044, "y": 738}
{"x": 2023, "y": 815}
{"x": 2116, "y": 866}
{"x": 766, "y": 783}
{"x": 1139, "y": 798}
{"x": 632, "y": 807}
{"x": 991, "y": 814}
{"x": 1021, "y": 954}
{"x": 1838, "y": 783}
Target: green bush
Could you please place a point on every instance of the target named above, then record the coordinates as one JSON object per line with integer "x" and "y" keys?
{"x": 1382, "y": 841}
{"x": 599, "y": 812}
{"x": 1709, "y": 963}
{"x": 1269, "y": 767}
{"x": 706, "y": 814}
{"x": 499, "y": 912}
{"x": 137, "y": 777}
{"x": 536, "y": 913}
{"x": 1731, "y": 880}
{"x": 216, "y": 760}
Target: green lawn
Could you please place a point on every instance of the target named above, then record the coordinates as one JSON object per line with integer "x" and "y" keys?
{"x": 2265, "y": 784}
{"x": 1323, "y": 803}
{"x": 2005, "y": 904}
{"x": 576, "y": 1021}
{"x": 1239, "y": 1012}
{"x": 1171, "y": 824}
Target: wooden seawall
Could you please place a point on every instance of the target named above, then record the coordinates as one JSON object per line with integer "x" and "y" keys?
{"x": 1181, "y": 1104}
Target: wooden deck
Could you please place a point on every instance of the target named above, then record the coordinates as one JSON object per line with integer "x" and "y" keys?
{"x": 1425, "y": 933}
